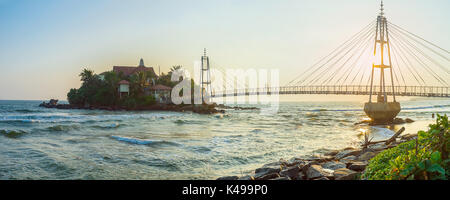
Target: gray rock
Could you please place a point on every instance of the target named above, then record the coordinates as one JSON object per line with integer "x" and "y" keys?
{"x": 332, "y": 153}
{"x": 366, "y": 156}
{"x": 318, "y": 158}
{"x": 247, "y": 178}
{"x": 281, "y": 179}
{"x": 378, "y": 147}
{"x": 291, "y": 172}
{"x": 295, "y": 161}
{"x": 345, "y": 174}
{"x": 267, "y": 176}
{"x": 346, "y": 153}
{"x": 322, "y": 179}
{"x": 333, "y": 165}
{"x": 300, "y": 176}
{"x": 358, "y": 166}
{"x": 227, "y": 178}
{"x": 274, "y": 164}
{"x": 268, "y": 169}
{"x": 408, "y": 120}
{"x": 315, "y": 171}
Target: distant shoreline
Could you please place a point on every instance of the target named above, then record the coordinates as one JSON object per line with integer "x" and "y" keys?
{"x": 200, "y": 109}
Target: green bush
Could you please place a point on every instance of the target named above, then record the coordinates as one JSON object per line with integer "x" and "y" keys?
{"x": 425, "y": 158}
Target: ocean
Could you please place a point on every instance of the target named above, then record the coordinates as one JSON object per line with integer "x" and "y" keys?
{"x": 40, "y": 143}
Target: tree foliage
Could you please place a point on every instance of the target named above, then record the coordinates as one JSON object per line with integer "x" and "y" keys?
{"x": 426, "y": 158}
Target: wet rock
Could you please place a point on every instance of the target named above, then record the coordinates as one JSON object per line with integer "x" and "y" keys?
{"x": 366, "y": 156}
{"x": 268, "y": 169}
{"x": 398, "y": 121}
{"x": 280, "y": 164}
{"x": 345, "y": 153}
{"x": 291, "y": 172}
{"x": 295, "y": 161}
{"x": 281, "y": 179}
{"x": 267, "y": 176}
{"x": 332, "y": 153}
{"x": 345, "y": 174}
{"x": 408, "y": 120}
{"x": 227, "y": 178}
{"x": 358, "y": 166}
{"x": 378, "y": 147}
{"x": 316, "y": 171}
{"x": 300, "y": 176}
{"x": 247, "y": 178}
{"x": 333, "y": 165}
{"x": 318, "y": 158}
{"x": 322, "y": 179}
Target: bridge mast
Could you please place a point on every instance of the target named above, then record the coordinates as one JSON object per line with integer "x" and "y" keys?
{"x": 205, "y": 78}
{"x": 382, "y": 110}
{"x": 382, "y": 38}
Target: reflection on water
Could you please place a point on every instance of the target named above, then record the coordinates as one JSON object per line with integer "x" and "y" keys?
{"x": 38, "y": 143}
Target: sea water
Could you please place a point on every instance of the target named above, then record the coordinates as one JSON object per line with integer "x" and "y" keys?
{"x": 41, "y": 143}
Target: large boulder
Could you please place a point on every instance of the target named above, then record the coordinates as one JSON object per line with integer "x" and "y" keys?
{"x": 227, "y": 178}
{"x": 358, "y": 166}
{"x": 269, "y": 169}
{"x": 408, "y": 120}
{"x": 247, "y": 178}
{"x": 345, "y": 153}
{"x": 267, "y": 176}
{"x": 281, "y": 179}
{"x": 291, "y": 172}
{"x": 333, "y": 165}
{"x": 366, "y": 156}
{"x": 316, "y": 171}
{"x": 300, "y": 176}
{"x": 345, "y": 174}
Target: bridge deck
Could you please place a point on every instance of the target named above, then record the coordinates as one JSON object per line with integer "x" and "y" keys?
{"x": 420, "y": 91}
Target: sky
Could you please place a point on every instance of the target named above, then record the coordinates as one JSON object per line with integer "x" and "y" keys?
{"x": 45, "y": 44}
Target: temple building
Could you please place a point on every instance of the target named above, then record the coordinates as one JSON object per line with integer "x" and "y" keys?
{"x": 127, "y": 70}
{"x": 160, "y": 92}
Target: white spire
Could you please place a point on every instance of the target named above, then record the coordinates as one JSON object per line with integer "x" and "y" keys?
{"x": 141, "y": 63}
{"x": 382, "y": 9}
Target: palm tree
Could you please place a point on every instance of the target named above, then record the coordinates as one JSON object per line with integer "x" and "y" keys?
{"x": 86, "y": 75}
{"x": 139, "y": 81}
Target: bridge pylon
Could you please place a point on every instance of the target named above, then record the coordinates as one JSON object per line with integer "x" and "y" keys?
{"x": 205, "y": 79}
{"x": 382, "y": 111}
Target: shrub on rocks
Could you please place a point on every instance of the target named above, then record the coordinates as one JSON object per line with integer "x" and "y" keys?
{"x": 426, "y": 158}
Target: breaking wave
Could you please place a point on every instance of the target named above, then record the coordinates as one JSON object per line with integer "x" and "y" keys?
{"x": 142, "y": 141}
{"x": 12, "y": 133}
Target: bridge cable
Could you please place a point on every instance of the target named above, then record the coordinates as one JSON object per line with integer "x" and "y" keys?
{"x": 407, "y": 64}
{"x": 332, "y": 52}
{"x": 412, "y": 38}
{"x": 354, "y": 64}
{"x": 422, "y": 53}
{"x": 342, "y": 66}
{"x": 361, "y": 66}
{"x": 320, "y": 75}
{"x": 412, "y": 54}
{"x": 307, "y": 73}
{"x": 419, "y": 37}
{"x": 325, "y": 70}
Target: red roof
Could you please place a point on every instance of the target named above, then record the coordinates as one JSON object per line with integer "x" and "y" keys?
{"x": 160, "y": 87}
{"x": 127, "y": 71}
{"x": 124, "y": 82}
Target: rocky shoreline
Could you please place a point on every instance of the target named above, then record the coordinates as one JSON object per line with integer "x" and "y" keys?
{"x": 344, "y": 164}
{"x": 200, "y": 109}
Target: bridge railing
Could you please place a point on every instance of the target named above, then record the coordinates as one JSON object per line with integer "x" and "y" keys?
{"x": 427, "y": 91}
